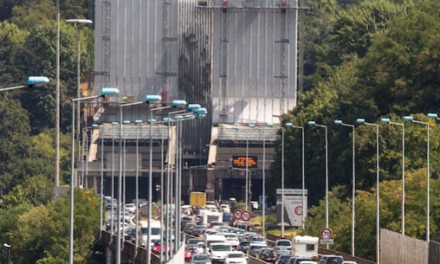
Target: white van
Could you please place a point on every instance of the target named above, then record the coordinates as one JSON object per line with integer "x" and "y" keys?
{"x": 305, "y": 246}
{"x": 219, "y": 252}
{"x": 217, "y": 238}
{"x": 156, "y": 229}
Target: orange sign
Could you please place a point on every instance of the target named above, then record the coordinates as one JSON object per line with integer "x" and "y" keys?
{"x": 240, "y": 162}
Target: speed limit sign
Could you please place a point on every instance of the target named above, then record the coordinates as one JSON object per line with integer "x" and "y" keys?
{"x": 246, "y": 216}
{"x": 237, "y": 214}
{"x": 326, "y": 233}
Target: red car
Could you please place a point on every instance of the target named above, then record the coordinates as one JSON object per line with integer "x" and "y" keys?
{"x": 188, "y": 254}
{"x": 156, "y": 248}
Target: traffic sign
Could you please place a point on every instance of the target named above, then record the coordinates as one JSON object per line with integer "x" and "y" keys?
{"x": 326, "y": 233}
{"x": 237, "y": 214}
{"x": 246, "y": 216}
{"x": 299, "y": 210}
{"x": 326, "y": 241}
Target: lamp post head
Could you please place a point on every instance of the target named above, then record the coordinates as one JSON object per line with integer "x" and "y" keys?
{"x": 311, "y": 123}
{"x": 37, "y": 81}
{"x": 385, "y": 120}
{"x": 201, "y": 111}
{"x": 95, "y": 126}
{"x": 200, "y": 116}
{"x": 126, "y": 122}
{"x": 289, "y": 124}
{"x": 138, "y": 121}
{"x": 432, "y": 115}
{"x": 79, "y": 21}
{"x": 107, "y": 91}
{"x": 165, "y": 119}
{"x": 178, "y": 117}
{"x": 408, "y": 118}
{"x": 192, "y": 107}
{"x": 115, "y": 123}
{"x": 150, "y": 121}
{"x": 251, "y": 125}
{"x": 269, "y": 124}
{"x": 6, "y": 245}
{"x": 188, "y": 117}
{"x": 153, "y": 99}
{"x": 235, "y": 128}
{"x": 177, "y": 103}
{"x": 360, "y": 121}
{"x": 337, "y": 122}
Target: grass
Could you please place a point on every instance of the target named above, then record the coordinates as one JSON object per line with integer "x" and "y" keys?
{"x": 287, "y": 232}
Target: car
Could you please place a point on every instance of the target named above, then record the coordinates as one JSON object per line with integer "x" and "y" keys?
{"x": 188, "y": 228}
{"x": 130, "y": 208}
{"x": 349, "y": 262}
{"x": 255, "y": 249}
{"x": 188, "y": 254}
{"x": 192, "y": 242}
{"x": 282, "y": 245}
{"x": 331, "y": 259}
{"x": 244, "y": 246}
{"x": 156, "y": 247}
{"x": 236, "y": 258}
{"x": 225, "y": 208}
{"x": 248, "y": 235}
{"x": 227, "y": 217}
{"x": 259, "y": 240}
{"x": 299, "y": 260}
{"x": 215, "y": 224}
{"x": 200, "y": 259}
{"x": 283, "y": 259}
{"x": 267, "y": 255}
{"x": 309, "y": 262}
{"x": 232, "y": 239}
{"x": 197, "y": 229}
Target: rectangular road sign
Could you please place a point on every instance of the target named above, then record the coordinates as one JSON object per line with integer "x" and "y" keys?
{"x": 326, "y": 241}
{"x": 292, "y": 191}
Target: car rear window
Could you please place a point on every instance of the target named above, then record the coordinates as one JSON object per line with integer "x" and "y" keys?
{"x": 283, "y": 243}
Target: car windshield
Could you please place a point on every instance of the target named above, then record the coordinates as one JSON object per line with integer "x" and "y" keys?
{"x": 236, "y": 255}
{"x": 285, "y": 257}
{"x": 258, "y": 239}
{"x": 283, "y": 243}
{"x": 334, "y": 260}
{"x": 245, "y": 243}
{"x": 193, "y": 241}
{"x": 257, "y": 247}
{"x": 200, "y": 257}
{"x": 231, "y": 236}
{"x": 299, "y": 260}
{"x": 221, "y": 247}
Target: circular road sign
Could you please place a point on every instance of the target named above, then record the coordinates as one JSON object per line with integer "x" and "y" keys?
{"x": 299, "y": 210}
{"x": 208, "y": 185}
{"x": 246, "y": 216}
{"x": 326, "y": 233}
{"x": 237, "y": 214}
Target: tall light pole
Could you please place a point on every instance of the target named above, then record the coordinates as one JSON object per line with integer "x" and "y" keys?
{"x": 138, "y": 123}
{"x": 33, "y": 82}
{"x": 264, "y": 179}
{"x": 411, "y": 119}
{"x": 95, "y": 126}
{"x": 78, "y": 23}
{"x": 113, "y": 184}
{"x": 282, "y": 182}
{"x": 387, "y": 121}
{"x": 303, "y": 181}
{"x": 362, "y": 121}
{"x": 104, "y": 93}
{"x": 313, "y": 123}
{"x": 353, "y": 182}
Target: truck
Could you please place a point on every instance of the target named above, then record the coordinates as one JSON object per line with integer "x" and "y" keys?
{"x": 197, "y": 199}
{"x": 305, "y": 246}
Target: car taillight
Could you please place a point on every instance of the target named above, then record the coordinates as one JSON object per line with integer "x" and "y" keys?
{"x": 277, "y": 248}
{"x": 315, "y": 258}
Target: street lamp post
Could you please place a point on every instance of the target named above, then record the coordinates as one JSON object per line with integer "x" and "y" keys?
{"x": 264, "y": 179}
{"x": 282, "y": 182}
{"x": 33, "y": 82}
{"x": 113, "y": 185}
{"x": 248, "y": 176}
{"x": 303, "y": 181}
{"x": 313, "y": 123}
{"x": 104, "y": 93}
{"x": 8, "y": 254}
{"x": 353, "y": 188}
{"x": 77, "y": 23}
{"x": 387, "y": 121}
{"x": 362, "y": 121}
{"x": 411, "y": 119}
{"x": 137, "y": 122}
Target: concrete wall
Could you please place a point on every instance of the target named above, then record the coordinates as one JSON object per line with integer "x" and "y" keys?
{"x": 398, "y": 249}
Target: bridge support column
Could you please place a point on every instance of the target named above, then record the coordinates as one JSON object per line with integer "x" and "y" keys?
{"x": 108, "y": 255}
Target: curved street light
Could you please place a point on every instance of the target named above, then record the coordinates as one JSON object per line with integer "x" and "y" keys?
{"x": 362, "y": 121}
{"x": 33, "y": 82}
{"x": 353, "y": 192}
{"x": 313, "y": 123}
{"x": 411, "y": 119}
{"x": 388, "y": 121}
{"x": 104, "y": 93}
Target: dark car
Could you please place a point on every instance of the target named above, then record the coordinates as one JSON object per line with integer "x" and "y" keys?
{"x": 267, "y": 255}
{"x": 283, "y": 259}
{"x": 197, "y": 229}
{"x": 184, "y": 220}
{"x": 244, "y": 246}
{"x": 331, "y": 259}
{"x": 188, "y": 227}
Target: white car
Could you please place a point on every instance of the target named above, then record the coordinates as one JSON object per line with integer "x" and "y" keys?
{"x": 236, "y": 257}
{"x": 282, "y": 246}
{"x": 225, "y": 208}
{"x": 232, "y": 239}
{"x": 219, "y": 251}
{"x": 130, "y": 208}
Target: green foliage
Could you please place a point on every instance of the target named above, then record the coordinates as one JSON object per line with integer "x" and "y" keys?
{"x": 30, "y": 16}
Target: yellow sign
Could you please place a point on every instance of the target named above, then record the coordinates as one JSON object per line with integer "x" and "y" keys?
{"x": 240, "y": 162}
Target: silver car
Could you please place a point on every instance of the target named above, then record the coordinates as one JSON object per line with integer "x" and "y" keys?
{"x": 200, "y": 259}
{"x": 282, "y": 246}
